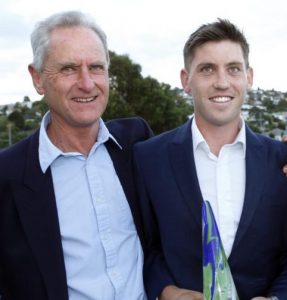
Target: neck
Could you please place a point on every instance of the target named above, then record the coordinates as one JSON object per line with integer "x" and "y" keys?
{"x": 73, "y": 139}
{"x": 218, "y": 136}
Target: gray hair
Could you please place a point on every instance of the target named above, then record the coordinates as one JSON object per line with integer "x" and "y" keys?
{"x": 40, "y": 37}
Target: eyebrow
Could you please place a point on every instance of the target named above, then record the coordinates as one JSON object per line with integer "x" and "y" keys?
{"x": 232, "y": 63}
{"x": 236, "y": 63}
{"x": 65, "y": 64}
{"x": 73, "y": 64}
{"x": 205, "y": 64}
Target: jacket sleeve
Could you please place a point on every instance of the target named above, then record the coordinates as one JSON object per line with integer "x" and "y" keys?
{"x": 279, "y": 285}
{"x": 156, "y": 273}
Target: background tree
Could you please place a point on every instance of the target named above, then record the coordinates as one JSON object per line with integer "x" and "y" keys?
{"x": 133, "y": 95}
{"x": 16, "y": 117}
{"x": 40, "y": 107}
{"x": 26, "y": 99}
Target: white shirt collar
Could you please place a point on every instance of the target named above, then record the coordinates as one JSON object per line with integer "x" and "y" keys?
{"x": 48, "y": 152}
{"x": 198, "y": 139}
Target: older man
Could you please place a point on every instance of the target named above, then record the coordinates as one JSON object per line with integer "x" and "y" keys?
{"x": 68, "y": 213}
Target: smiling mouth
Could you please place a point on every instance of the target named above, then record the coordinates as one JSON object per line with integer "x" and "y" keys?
{"x": 84, "y": 99}
{"x": 222, "y": 99}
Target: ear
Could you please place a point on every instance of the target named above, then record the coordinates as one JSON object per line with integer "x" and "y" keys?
{"x": 184, "y": 77}
{"x": 249, "y": 78}
{"x": 37, "y": 79}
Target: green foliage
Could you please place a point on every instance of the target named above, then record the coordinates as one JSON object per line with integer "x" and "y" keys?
{"x": 253, "y": 127}
{"x": 17, "y": 119}
{"x": 269, "y": 104}
{"x": 3, "y": 123}
{"x": 133, "y": 95}
{"x": 26, "y": 99}
{"x": 40, "y": 107}
{"x": 282, "y": 105}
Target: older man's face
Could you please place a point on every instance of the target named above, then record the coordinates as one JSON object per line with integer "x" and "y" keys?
{"x": 74, "y": 79}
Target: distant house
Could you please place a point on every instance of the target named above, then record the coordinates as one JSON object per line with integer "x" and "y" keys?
{"x": 277, "y": 133}
{"x": 9, "y": 108}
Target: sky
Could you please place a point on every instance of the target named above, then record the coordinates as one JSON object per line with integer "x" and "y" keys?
{"x": 151, "y": 32}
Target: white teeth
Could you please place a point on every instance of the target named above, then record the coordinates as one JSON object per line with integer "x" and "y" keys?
{"x": 84, "y": 100}
{"x": 220, "y": 99}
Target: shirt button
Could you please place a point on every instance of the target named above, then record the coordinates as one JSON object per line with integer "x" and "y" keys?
{"x": 104, "y": 237}
{"x": 100, "y": 200}
{"x": 114, "y": 274}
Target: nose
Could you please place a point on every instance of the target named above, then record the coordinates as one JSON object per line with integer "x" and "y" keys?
{"x": 85, "y": 81}
{"x": 221, "y": 80}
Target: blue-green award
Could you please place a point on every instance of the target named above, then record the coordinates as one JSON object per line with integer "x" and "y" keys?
{"x": 217, "y": 279}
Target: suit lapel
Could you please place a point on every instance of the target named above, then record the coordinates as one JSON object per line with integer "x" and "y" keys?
{"x": 36, "y": 205}
{"x": 182, "y": 161}
{"x": 183, "y": 165}
{"x": 256, "y": 157}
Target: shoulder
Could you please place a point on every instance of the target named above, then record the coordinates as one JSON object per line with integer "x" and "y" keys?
{"x": 14, "y": 157}
{"x": 129, "y": 130}
{"x": 160, "y": 141}
{"x": 275, "y": 149}
{"x": 157, "y": 140}
{"x": 121, "y": 124}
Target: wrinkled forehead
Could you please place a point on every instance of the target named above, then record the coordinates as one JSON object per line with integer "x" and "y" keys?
{"x": 73, "y": 34}
{"x": 75, "y": 43}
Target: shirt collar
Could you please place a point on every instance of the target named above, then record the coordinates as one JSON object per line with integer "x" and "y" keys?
{"x": 198, "y": 139}
{"x": 48, "y": 152}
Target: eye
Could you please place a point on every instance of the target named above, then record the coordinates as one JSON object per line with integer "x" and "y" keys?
{"x": 206, "y": 70}
{"x": 69, "y": 69}
{"x": 97, "y": 68}
{"x": 233, "y": 70}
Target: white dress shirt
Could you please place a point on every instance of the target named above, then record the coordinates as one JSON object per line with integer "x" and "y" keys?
{"x": 102, "y": 252}
{"x": 222, "y": 181}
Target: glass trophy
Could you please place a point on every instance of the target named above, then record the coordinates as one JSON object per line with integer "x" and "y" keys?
{"x": 217, "y": 279}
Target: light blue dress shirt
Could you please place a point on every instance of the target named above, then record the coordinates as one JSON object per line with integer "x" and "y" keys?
{"x": 102, "y": 251}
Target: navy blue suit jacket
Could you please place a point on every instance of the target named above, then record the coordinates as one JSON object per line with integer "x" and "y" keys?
{"x": 171, "y": 203}
{"x": 31, "y": 256}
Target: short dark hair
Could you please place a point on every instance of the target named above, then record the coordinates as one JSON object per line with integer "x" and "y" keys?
{"x": 215, "y": 32}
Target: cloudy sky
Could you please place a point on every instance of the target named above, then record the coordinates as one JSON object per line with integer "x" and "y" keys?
{"x": 151, "y": 32}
